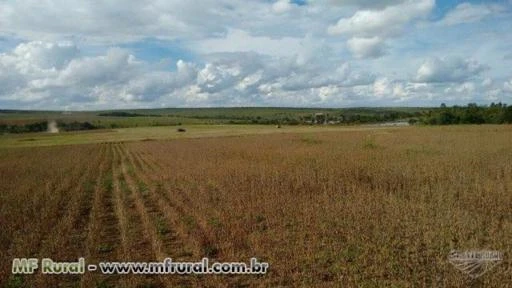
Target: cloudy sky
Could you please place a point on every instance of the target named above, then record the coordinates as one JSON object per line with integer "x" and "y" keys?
{"x": 63, "y": 54}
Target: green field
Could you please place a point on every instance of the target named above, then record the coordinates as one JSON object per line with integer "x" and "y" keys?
{"x": 155, "y": 124}
{"x": 159, "y": 133}
{"x": 176, "y": 116}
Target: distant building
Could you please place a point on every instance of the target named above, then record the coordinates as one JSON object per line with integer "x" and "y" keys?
{"x": 320, "y": 118}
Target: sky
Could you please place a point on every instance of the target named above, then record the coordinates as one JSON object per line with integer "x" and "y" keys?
{"x": 118, "y": 54}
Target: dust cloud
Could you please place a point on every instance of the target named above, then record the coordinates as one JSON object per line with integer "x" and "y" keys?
{"x": 52, "y": 127}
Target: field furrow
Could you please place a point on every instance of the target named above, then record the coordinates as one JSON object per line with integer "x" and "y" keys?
{"x": 50, "y": 198}
{"x": 352, "y": 209}
{"x": 65, "y": 242}
{"x": 190, "y": 240}
{"x": 176, "y": 211}
{"x": 104, "y": 229}
{"x": 141, "y": 224}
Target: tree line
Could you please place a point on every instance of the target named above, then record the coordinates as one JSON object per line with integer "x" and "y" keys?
{"x": 496, "y": 113}
{"x": 42, "y": 126}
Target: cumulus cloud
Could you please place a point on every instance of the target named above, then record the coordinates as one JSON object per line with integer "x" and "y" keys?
{"x": 237, "y": 40}
{"x": 240, "y": 52}
{"x": 116, "y": 66}
{"x": 118, "y": 78}
{"x": 468, "y": 13}
{"x": 466, "y": 87}
{"x": 487, "y": 82}
{"x": 370, "y": 28}
{"x": 367, "y": 4}
{"x": 386, "y": 22}
{"x": 395, "y": 90}
{"x": 10, "y": 80}
{"x": 282, "y": 6}
{"x": 126, "y": 20}
{"x": 452, "y": 69}
{"x": 45, "y": 55}
{"x": 152, "y": 85}
{"x": 39, "y": 72}
{"x": 255, "y": 75}
{"x": 507, "y": 86}
{"x": 122, "y": 21}
{"x": 372, "y": 47}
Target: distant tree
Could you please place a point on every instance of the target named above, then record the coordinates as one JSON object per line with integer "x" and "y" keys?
{"x": 507, "y": 115}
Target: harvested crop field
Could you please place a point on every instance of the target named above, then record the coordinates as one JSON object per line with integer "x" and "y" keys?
{"x": 365, "y": 208}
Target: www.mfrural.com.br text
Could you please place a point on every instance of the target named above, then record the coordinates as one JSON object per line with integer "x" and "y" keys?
{"x": 167, "y": 266}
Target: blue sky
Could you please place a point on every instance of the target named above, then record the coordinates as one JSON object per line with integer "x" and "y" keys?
{"x": 201, "y": 53}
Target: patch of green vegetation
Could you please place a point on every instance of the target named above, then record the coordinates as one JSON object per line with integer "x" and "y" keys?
{"x": 351, "y": 253}
{"x": 108, "y": 183}
{"x": 103, "y": 284}
{"x": 369, "y": 143}
{"x": 496, "y": 113}
{"x": 126, "y": 114}
{"x": 148, "y": 285}
{"x": 76, "y": 126}
{"x": 421, "y": 150}
{"x": 105, "y": 248}
{"x": 130, "y": 170}
{"x": 161, "y": 226}
{"x": 259, "y": 218}
{"x": 143, "y": 188}
{"x": 309, "y": 139}
{"x": 15, "y": 281}
{"x": 114, "y": 119}
{"x": 159, "y": 188}
{"x": 210, "y": 250}
{"x": 160, "y": 133}
{"x": 88, "y": 186}
{"x": 215, "y": 222}
{"x": 261, "y": 224}
{"x": 189, "y": 221}
{"x": 123, "y": 185}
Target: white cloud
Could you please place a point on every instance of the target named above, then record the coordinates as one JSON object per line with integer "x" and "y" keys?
{"x": 386, "y": 22}
{"x": 381, "y": 87}
{"x": 487, "y": 82}
{"x": 372, "y": 47}
{"x": 453, "y": 69}
{"x": 46, "y": 55}
{"x": 366, "y": 4}
{"x": 248, "y": 52}
{"x": 10, "y": 79}
{"x": 242, "y": 41}
{"x": 116, "y": 66}
{"x": 507, "y": 86}
{"x": 282, "y": 6}
{"x": 466, "y": 87}
{"x": 117, "y": 78}
{"x": 122, "y": 21}
{"x": 493, "y": 95}
{"x": 468, "y": 13}
{"x": 384, "y": 88}
{"x": 40, "y": 72}
{"x": 371, "y": 28}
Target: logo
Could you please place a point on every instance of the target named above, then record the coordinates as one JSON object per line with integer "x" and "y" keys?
{"x": 475, "y": 263}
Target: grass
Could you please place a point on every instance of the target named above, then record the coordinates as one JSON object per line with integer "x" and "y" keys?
{"x": 157, "y": 133}
{"x": 172, "y": 116}
{"x": 350, "y": 208}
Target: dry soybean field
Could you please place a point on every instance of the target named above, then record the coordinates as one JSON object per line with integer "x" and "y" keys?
{"x": 369, "y": 208}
